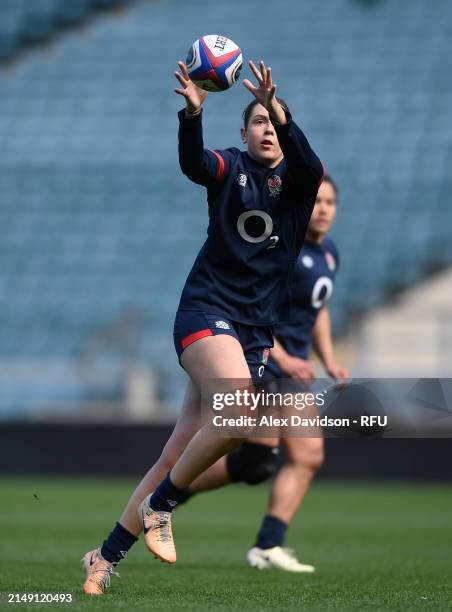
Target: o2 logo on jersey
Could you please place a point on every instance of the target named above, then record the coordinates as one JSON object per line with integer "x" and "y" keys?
{"x": 260, "y": 224}
{"x": 321, "y": 292}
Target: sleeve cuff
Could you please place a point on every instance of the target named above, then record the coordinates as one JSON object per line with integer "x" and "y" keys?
{"x": 183, "y": 117}
{"x": 283, "y": 125}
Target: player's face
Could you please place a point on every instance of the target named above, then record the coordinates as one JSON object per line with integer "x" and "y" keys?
{"x": 260, "y": 136}
{"x": 324, "y": 210}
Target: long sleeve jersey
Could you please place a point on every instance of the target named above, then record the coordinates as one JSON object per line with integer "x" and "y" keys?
{"x": 258, "y": 218}
{"x": 313, "y": 286}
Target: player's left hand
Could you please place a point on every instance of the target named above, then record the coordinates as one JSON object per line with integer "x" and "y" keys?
{"x": 338, "y": 372}
{"x": 265, "y": 91}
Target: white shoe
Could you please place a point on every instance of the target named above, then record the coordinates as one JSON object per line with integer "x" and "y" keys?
{"x": 277, "y": 557}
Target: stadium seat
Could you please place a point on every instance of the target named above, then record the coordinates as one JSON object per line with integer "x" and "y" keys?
{"x": 25, "y": 22}
{"x": 108, "y": 3}
{"x": 96, "y": 219}
{"x": 39, "y": 21}
{"x": 11, "y": 15}
{"x": 72, "y": 12}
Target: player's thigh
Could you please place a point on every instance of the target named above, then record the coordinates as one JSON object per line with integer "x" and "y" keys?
{"x": 216, "y": 358}
{"x": 304, "y": 451}
{"x": 218, "y": 367}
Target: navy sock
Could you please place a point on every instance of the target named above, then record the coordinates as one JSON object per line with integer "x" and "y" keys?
{"x": 271, "y": 533}
{"x": 117, "y": 544}
{"x": 167, "y": 496}
{"x": 188, "y": 495}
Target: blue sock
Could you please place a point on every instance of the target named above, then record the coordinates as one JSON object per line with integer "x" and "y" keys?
{"x": 117, "y": 544}
{"x": 167, "y": 496}
{"x": 271, "y": 533}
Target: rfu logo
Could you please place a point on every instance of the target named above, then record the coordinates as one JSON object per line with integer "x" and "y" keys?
{"x": 274, "y": 185}
{"x": 331, "y": 262}
{"x": 241, "y": 180}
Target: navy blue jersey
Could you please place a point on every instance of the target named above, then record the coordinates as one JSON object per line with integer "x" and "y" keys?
{"x": 313, "y": 286}
{"x": 258, "y": 218}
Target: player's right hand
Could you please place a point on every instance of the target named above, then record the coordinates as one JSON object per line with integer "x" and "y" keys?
{"x": 298, "y": 369}
{"x": 194, "y": 95}
{"x": 265, "y": 91}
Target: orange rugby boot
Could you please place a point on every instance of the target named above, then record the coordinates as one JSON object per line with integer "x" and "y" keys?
{"x": 157, "y": 532}
{"x": 98, "y": 572}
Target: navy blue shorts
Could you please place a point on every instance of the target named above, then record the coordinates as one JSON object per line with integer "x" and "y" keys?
{"x": 256, "y": 342}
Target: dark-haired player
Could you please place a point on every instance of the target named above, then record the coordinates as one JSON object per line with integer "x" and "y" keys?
{"x": 314, "y": 278}
{"x": 260, "y": 202}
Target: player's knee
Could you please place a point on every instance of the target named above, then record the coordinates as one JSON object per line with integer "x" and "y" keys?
{"x": 252, "y": 463}
{"x": 316, "y": 459}
{"x": 307, "y": 454}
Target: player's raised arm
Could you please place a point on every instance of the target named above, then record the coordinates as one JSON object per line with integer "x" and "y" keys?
{"x": 303, "y": 165}
{"x": 200, "y": 165}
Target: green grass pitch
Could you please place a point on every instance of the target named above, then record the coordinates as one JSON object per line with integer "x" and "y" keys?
{"x": 376, "y": 547}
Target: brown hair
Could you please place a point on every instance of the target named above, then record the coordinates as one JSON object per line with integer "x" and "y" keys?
{"x": 249, "y": 109}
{"x": 328, "y": 179}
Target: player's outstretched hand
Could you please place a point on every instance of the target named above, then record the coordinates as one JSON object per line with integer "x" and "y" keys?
{"x": 265, "y": 91}
{"x": 194, "y": 96}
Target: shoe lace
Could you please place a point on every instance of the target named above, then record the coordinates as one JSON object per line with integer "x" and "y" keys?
{"x": 104, "y": 580}
{"x": 164, "y": 528}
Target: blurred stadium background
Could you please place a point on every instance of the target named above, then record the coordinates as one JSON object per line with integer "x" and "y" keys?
{"x": 99, "y": 227}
